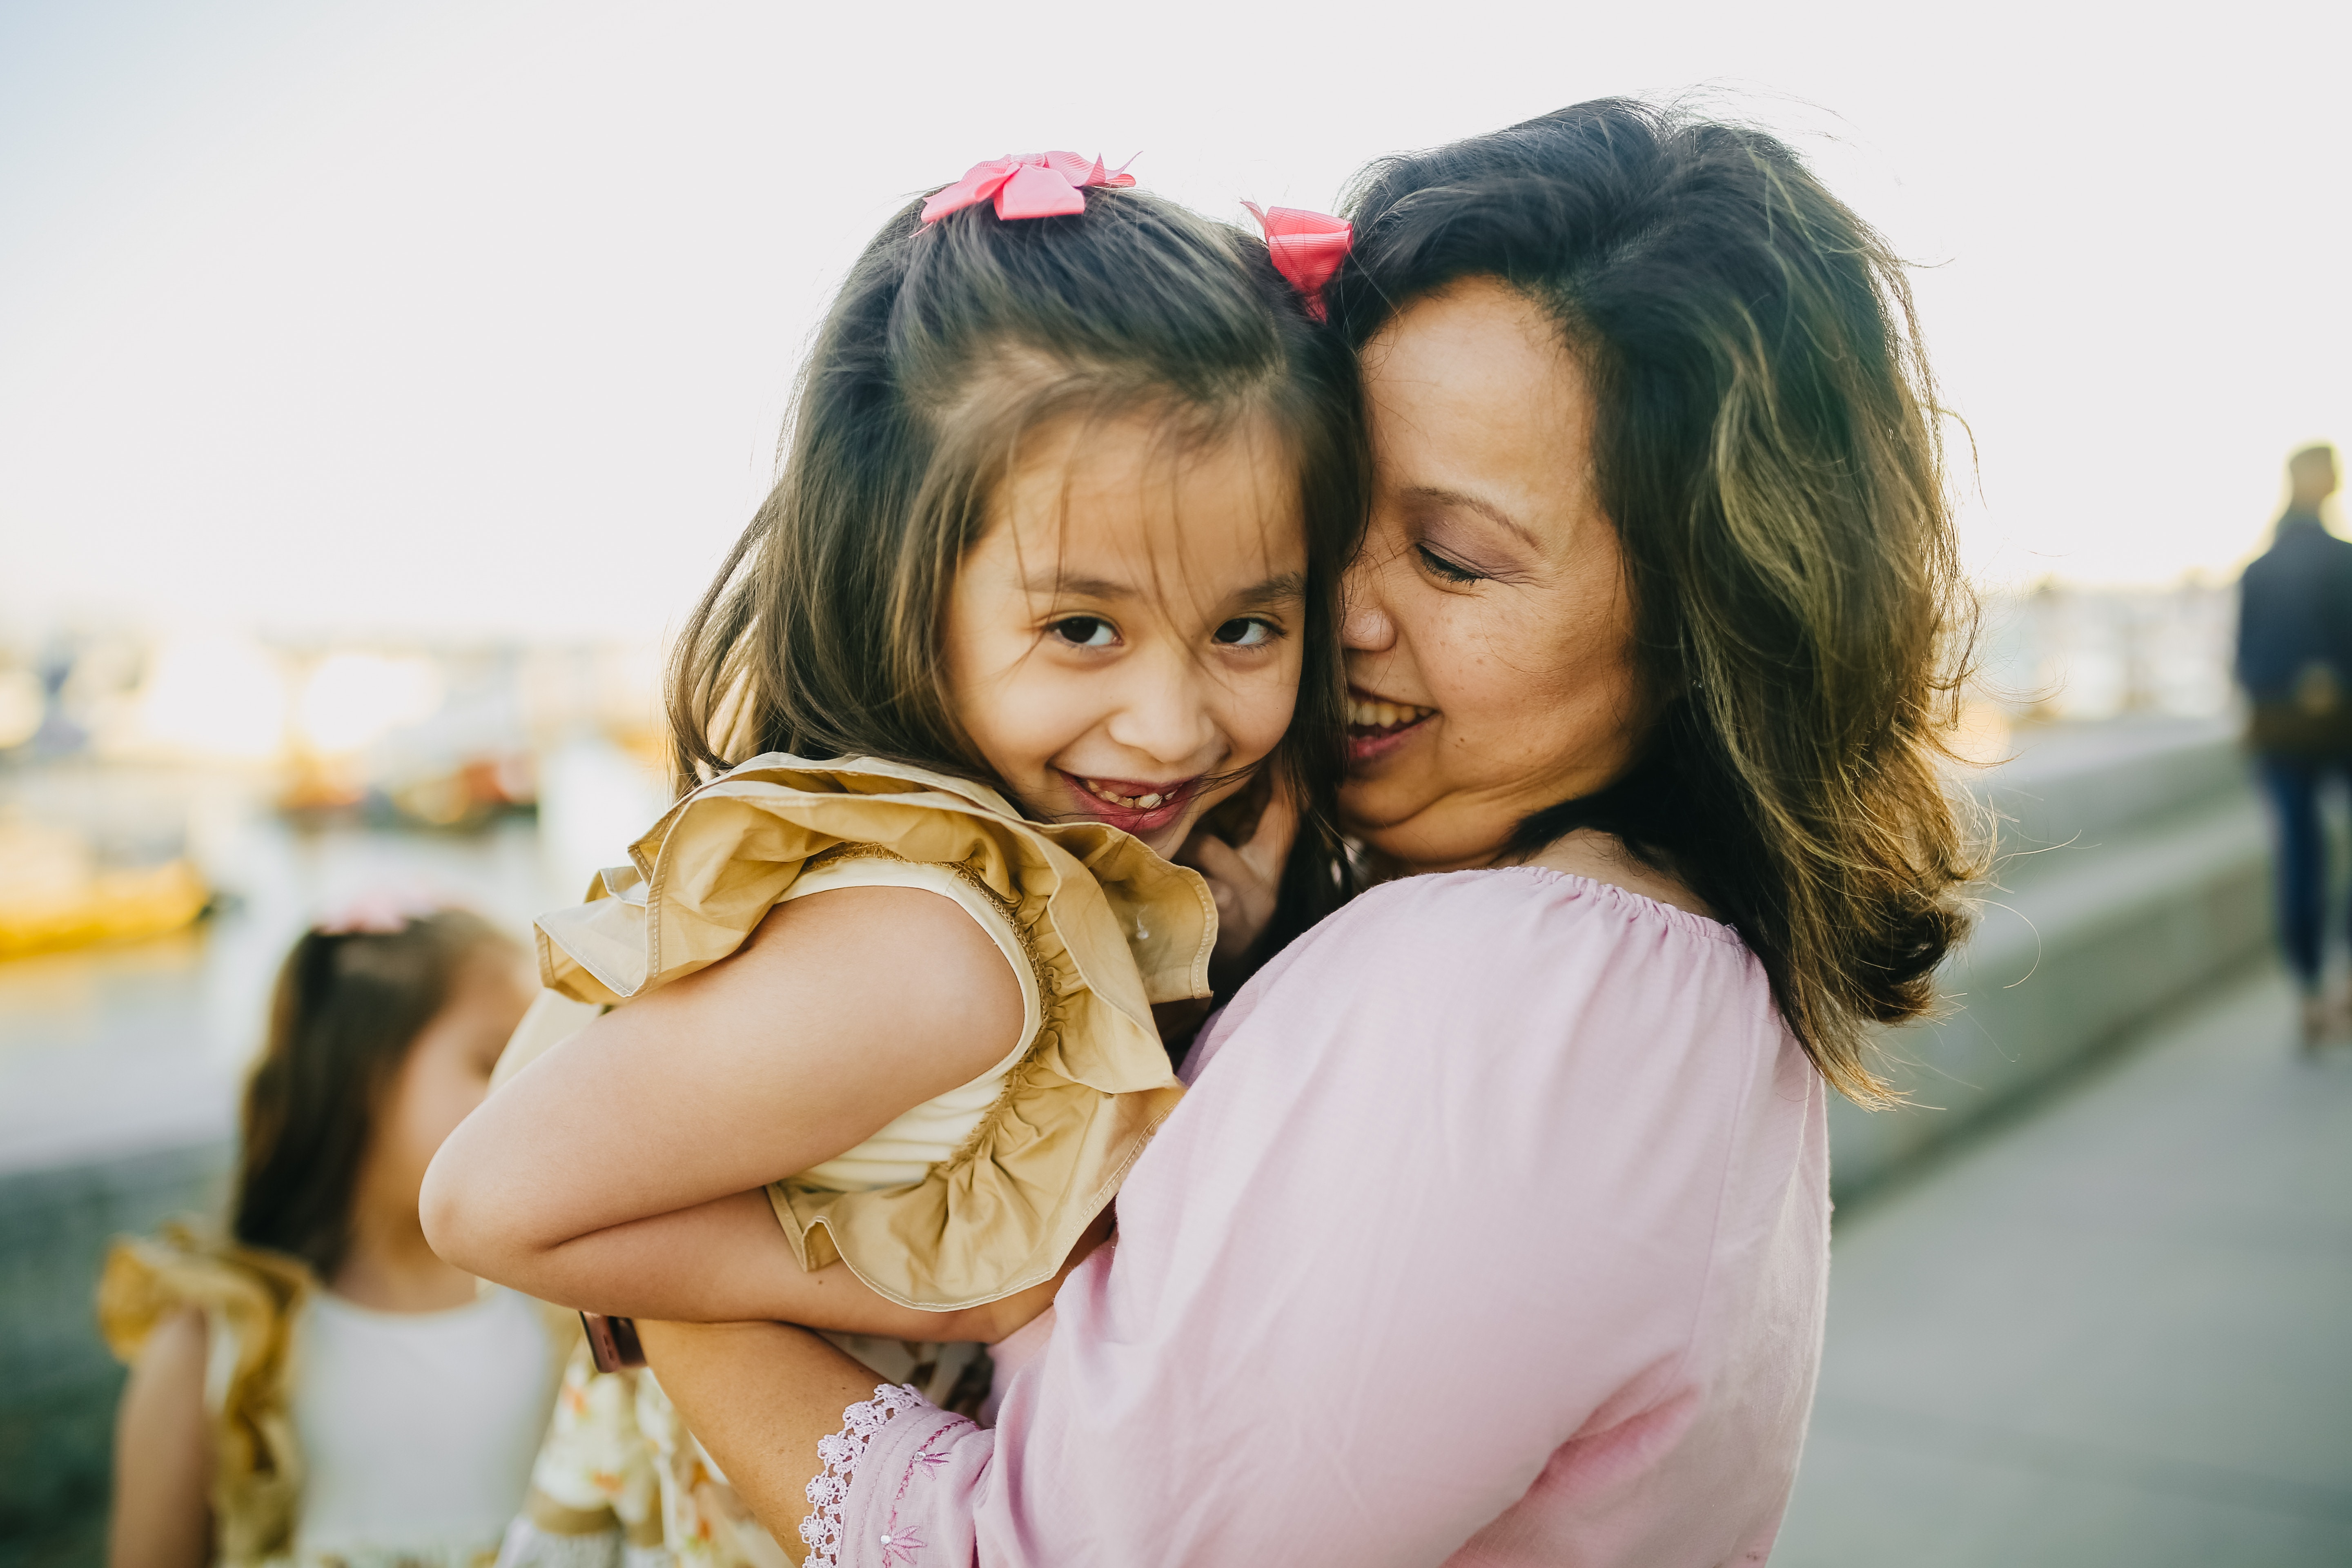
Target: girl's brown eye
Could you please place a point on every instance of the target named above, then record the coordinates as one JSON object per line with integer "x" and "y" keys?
{"x": 1085, "y": 631}
{"x": 1246, "y": 631}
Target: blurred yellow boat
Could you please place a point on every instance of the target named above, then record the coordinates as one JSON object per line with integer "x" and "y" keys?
{"x": 53, "y": 894}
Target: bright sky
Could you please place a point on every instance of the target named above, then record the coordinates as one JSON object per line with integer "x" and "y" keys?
{"x": 479, "y": 318}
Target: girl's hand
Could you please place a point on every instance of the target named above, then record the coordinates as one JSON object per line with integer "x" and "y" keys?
{"x": 1244, "y": 877}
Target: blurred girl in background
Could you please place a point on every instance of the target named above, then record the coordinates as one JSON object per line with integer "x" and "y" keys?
{"x": 320, "y": 1387}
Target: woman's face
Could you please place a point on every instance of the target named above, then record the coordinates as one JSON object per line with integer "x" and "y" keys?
{"x": 1123, "y": 642}
{"x": 1489, "y": 624}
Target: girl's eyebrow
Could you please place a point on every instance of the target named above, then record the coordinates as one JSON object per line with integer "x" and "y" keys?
{"x": 1278, "y": 589}
{"x": 1275, "y": 590}
{"x": 1058, "y": 585}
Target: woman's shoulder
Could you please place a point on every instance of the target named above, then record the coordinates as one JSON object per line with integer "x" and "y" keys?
{"x": 1522, "y": 911}
{"x": 1519, "y": 967}
{"x": 1472, "y": 1048}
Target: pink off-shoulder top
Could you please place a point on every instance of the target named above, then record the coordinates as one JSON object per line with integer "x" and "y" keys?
{"x": 1495, "y": 1232}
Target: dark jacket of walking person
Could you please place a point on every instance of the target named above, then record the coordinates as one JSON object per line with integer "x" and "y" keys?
{"x": 2294, "y": 659}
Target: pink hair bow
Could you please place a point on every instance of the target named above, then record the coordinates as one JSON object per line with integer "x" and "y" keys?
{"x": 1034, "y": 184}
{"x": 1307, "y": 248}
{"x": 379, "y": 912}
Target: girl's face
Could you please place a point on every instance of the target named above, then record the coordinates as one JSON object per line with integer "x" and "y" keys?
{"x": 1123, "y": 642}
{"x": 1489, "y": 627}
{"x": 445, "y": 1075}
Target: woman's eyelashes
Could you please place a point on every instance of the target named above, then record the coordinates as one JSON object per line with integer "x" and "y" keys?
{"x": 1446, "y": 570}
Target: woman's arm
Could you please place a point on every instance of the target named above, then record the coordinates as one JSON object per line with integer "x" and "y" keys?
{"x": 162, "y": 1454}
{"x": 843, "y": 1010}
{"x": 760, "y": 1397}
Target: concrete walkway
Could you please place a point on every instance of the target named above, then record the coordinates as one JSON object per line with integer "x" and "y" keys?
{"x": 2117, "y": 1330}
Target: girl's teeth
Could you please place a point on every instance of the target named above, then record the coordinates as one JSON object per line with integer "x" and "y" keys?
{"x": 1139, "y": 803}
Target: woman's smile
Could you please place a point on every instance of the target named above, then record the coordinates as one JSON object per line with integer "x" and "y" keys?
{"x": 1377, "y": 726}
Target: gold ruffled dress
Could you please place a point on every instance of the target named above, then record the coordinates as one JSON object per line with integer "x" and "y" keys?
{"x": 974, "y": 1195}
{"x": 253, "y": 1302}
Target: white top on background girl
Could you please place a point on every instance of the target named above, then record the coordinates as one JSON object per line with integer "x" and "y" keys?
{"x": 319, "y": 1386}
{"x": 1048, "y": 577}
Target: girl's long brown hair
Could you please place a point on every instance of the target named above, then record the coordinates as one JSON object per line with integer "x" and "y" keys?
{"x": 1767, "y": 445}
{"x": 950, "y": 342}
{"x": 346, "y": 1011}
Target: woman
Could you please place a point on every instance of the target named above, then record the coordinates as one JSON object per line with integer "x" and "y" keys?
{"x": 1495, "y": 1228}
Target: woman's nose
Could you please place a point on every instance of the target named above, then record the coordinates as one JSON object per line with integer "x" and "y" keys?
{"x": 1365, "y": 626}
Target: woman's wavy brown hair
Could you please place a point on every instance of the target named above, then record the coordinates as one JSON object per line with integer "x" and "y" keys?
{"x": 951, "y": 341}
{"x": 1766, "y": 443}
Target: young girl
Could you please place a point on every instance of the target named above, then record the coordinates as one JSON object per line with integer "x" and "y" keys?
{"x": 320, "y": 1387}
{"x": 1047, "y": 578}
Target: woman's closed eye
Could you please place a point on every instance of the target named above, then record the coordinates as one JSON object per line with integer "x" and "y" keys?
{"x": 1450, "y": 571}
{"x": 1247, "y": 631}
{"x": 1085, "y": 631}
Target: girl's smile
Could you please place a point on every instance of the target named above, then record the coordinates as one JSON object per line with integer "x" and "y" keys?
{"x": 1132, "y": 805}
{"x": 1124, "y": 641}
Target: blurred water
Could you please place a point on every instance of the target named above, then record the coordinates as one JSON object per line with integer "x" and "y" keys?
{"x": 107, "y": 1050}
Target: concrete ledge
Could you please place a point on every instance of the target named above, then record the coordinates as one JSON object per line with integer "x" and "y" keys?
{"x": 2144, "y": 876}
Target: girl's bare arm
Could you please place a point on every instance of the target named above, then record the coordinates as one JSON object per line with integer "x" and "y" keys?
{"x": 843, "y": 1010}
{"x": 162, "y": 1454}
{"x": 726, "y": 1261}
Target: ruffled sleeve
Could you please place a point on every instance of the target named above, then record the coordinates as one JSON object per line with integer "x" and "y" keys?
{"x": 250, "y": 1301}
{"x": 1110, "y": 927}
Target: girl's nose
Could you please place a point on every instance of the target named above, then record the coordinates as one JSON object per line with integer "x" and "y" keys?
{"x": 1168, "y": 718}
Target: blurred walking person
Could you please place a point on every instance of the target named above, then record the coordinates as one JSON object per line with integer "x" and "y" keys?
{"x": 2294, "y": 659}
{"x": 316, "y": 1387}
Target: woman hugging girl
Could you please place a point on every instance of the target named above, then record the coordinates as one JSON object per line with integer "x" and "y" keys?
{"x": 863, "y": 1035}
